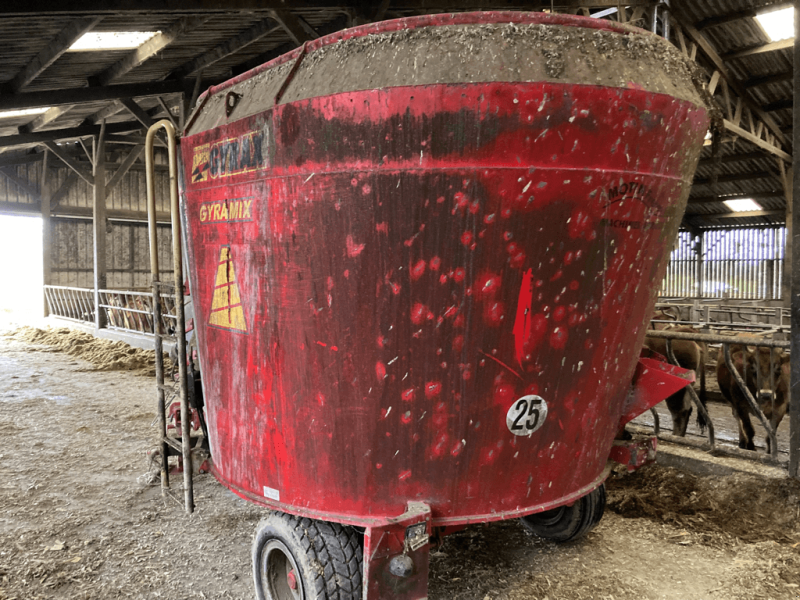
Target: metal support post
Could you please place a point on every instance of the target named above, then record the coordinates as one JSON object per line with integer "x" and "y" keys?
{"x": 46, "y": 193}
{"x": 99, "y": 223}
{"x": 794, "y": 410}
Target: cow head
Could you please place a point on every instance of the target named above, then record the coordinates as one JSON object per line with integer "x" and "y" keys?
{"x": 764, "y": 370}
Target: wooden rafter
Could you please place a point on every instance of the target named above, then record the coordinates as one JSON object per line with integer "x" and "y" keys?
{"x": 297, "y": 28}
{"x": 70, "y": 162}
{"x": 233, "y": 45}
{"x": 147, "y": 50}
{"x": 732, "y": 96}
{"x": 58, "y": 46}
{"x": 135, "y": 153}
{"x": 47, "y": 117}
{"x": 138, "y": 112}
{"x": 751, "y": 195}
{"x": 735, "y": 177}
{"x": 760, "y": 49}
{"x": 89, "y": 94}
{"x": 768, "y": 79}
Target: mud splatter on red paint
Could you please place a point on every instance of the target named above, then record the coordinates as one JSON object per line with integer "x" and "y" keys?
{"x": 418, "y": 270}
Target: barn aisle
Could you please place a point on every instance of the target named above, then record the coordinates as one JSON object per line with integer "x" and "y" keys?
{"x": 80, "y": 519}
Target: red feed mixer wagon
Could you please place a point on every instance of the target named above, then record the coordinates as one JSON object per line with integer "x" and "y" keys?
{"x": 423, "y": 254}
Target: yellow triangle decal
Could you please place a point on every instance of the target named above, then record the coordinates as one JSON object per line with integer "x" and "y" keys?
{"x": 226, "y": 304}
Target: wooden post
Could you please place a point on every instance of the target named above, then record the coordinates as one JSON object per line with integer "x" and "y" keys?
{"x": 46, "y": 194}
{"x": 99, "y": 222}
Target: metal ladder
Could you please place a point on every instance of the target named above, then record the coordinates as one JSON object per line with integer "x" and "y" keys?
{"x": 169, "y": 446}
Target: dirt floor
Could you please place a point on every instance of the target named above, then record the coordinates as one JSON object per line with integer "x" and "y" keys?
{"x": 79, "y": 518}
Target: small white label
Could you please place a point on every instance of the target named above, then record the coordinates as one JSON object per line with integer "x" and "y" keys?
{"x": 272, "y": 494}
{"x": 526, "y": 415}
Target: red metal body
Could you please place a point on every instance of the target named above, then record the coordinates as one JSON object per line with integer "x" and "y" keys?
{"x": 382, "y": 276}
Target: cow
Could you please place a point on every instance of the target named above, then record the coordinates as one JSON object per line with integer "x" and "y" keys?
{"x": 690, "y": 355}
{"x": 770, "y": 392}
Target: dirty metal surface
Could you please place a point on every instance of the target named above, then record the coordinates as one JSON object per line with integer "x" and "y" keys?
{"x": 430, "y": 293}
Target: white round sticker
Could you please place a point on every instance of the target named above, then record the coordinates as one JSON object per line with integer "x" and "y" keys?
{"x": 526, "y": 415}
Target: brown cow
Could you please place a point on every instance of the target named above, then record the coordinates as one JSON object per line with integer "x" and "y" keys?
{"x": 690, "y": 355}
{"x": 772, "y": 394}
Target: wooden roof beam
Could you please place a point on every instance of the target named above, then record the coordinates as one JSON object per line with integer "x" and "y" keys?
{"x": 88, "y": 94}
{"x": 779, "y": 105}
{"x": 768, "y": 79}
{"x": 741, "y": 214}
{"x": 47, "y": 117}
{"x": 72, "y": 133}
{"x": 729, "y": 78}
{"x": 735, "y": 177}
{"x": 297, "y": 28}
{"x": 753, "y": 50}
{"x": 70, "y": 162}
{"x": 51, "y": 53}
{"x": 146, "y": 51}
{"x": 750, "y": 196}
{"x": 731, "y": 158}
{"x": 138, "y": 112}
{"x": 232, "y": 46}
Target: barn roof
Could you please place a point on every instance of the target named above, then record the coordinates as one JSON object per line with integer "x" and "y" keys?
{"x": 203, "y": 42}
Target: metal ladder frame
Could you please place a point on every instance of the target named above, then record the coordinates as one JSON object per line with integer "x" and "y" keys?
{"x": 185, "y": 447}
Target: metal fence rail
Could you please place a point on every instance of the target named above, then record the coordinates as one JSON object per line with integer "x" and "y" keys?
{"x": 132, "y": 310}
{"x": 758, "y": 383}
{"x": 124, "y": 310}
{"x": 76, "y": 304}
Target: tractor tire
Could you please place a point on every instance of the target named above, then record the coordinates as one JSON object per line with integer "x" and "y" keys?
{"x": 303, "y": 559}
{"x": 567, "y": 523}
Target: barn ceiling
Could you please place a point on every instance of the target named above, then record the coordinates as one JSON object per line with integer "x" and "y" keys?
{"x": 203, "y": 42}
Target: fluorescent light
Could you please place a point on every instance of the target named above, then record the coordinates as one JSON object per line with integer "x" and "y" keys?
{"x": 111, "y": 40}
{"x": 9, "y": 114}
{"x": 743, "y": 205}
{"x": 778, "y": 24}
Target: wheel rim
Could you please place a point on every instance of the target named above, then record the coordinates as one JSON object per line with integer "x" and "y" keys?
{"x": 279, "y": 572}
{"x": 549, "y": 517}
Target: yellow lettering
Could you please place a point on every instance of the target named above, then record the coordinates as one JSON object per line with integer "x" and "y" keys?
{"x": 223, "y": 212}
{"x": 233, "y": 214}
{"x": 216, "y": 213}
{"x": 203, "y": 213}
{"x": 246, "y": 207}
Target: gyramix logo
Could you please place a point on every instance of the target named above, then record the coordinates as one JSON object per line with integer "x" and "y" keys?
{"x": 227, "y": 211}
{"x": 229, "y": 157}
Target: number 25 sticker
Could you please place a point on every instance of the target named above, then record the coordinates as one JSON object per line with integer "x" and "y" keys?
{"x": 526, "y": 415}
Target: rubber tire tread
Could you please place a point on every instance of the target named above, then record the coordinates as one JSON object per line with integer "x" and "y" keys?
{"x": 328, "y": 555}
{"x": 576, "y": 520}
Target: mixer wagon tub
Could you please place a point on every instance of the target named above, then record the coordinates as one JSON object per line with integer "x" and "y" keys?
{"x": 422, "y": 255}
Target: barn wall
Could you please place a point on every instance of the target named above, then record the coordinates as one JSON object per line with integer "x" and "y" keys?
{"x": 127, "y": 254}
{"x": 127, "y": 244}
